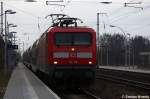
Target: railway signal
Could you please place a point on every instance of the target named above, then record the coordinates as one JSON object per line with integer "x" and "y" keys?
{"x": 12, "y": 46}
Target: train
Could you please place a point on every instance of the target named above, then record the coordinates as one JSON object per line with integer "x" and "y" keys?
{"x": 65, "y": 53}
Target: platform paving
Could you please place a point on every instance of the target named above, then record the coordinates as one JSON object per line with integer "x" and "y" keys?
{"x": 127, "y": 68}
{"x": 23, "y": 84}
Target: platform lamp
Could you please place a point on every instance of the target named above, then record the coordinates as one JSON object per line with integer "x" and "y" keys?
{"x": 5, "y": 60}
{"x": 124, "y": 42}
{"x": 98, "y": 35}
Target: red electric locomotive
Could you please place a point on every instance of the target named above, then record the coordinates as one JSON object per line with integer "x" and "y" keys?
{"x": 66, "y": 52}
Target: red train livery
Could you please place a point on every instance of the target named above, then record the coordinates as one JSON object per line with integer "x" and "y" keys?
{"x": 65, "y": 53}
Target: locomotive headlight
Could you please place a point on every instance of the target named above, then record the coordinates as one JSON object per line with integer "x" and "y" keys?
{"x": 55, "y": 62}
{"x": 90, "y": 62}
{"x": 72, "y": 49}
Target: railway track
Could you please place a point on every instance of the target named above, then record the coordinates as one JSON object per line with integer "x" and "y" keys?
{"x": 76, "y": 94}
{"x": 135, "y": 79}
{"x": 91, "y": 94}
{"x": 68, "y": 93}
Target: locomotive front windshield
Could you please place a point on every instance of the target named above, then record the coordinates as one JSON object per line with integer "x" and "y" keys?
{"x": 73, "y": 39}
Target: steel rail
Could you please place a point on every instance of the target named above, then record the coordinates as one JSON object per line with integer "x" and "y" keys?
{"x": 91, "y": 94}
{"x": 126, "y": 81}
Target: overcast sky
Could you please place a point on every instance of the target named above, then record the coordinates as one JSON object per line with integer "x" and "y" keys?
{"x": 132, "y": 20}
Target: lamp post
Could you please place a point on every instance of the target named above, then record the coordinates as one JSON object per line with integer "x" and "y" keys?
{"x": 5, "y": 57}
{"x": 124, "y": 42}
{"x": 98, "y": 41}
{"x": 129, "y": 49}
{"x": 1, "y": 18}
{"x": 119, "y": 29}
{"x": 99, "y": 47}
{"x": 99, "y": 56}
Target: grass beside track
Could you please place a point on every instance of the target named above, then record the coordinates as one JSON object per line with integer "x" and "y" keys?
{"x": 4, "y": 78}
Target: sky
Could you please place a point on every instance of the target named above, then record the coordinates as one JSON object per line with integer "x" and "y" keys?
{"x": 31, "y": 22}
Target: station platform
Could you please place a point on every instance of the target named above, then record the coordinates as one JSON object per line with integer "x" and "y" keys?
{"x": 127, "y": 68}
{"x": 23, "y": 84}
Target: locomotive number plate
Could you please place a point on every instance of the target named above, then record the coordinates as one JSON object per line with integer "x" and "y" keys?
{"x": 73, "y": 54}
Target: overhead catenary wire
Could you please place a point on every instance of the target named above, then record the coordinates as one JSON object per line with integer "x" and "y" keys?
{"x": 116, "y": 19}
{"x": 68, "y": 2}
{"x": 128, "y": 14}
{"x": 140, "y": 27}
{"x": 23, "y": 11}
{"x": 118, "y": 9}
{"x": 127, "y": 17}
{"x": 28, "y": 13}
